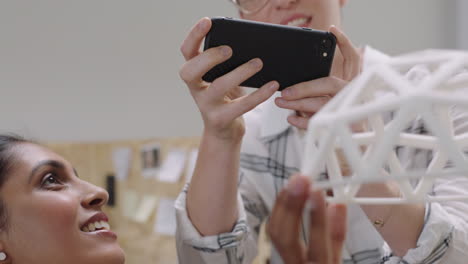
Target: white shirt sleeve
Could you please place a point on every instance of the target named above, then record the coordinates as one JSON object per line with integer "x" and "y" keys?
{"x": 236, "y": 247}
{"x": 444, "y": 238}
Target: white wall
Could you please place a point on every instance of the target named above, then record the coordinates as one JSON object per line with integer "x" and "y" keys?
{"x": 101, "y": 70}
{"x": 462, "y": 26}
{"x": 397, "y": 26}
{"x": 97, "y": 70}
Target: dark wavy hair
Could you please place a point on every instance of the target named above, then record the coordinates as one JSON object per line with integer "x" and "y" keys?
{"x": 7, "y": 159}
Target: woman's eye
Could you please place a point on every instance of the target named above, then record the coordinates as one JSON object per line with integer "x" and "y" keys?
{"x": 50, "y": 179}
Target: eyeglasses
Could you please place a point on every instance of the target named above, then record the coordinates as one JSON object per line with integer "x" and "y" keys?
{"x": 249, "y": 6}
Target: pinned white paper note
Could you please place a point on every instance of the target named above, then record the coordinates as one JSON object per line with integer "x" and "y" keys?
{"x": 173, "y": 166}
{"x": 165, "y": 217}
{"x": 121, "y": 158}
{"x": 146, "y": 208}
{"x": 129, "y": 204}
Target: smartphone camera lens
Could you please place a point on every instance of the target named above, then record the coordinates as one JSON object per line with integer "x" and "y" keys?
{"x": 326, "y": 43}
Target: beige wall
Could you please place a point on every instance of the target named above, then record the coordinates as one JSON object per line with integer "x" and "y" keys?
{"x": 105, "y": 70}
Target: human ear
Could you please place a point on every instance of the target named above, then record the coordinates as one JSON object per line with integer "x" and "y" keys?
{"x": 343, "y": 3}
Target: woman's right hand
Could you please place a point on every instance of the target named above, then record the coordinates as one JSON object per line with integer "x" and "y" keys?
{"x": 221, "y": 103}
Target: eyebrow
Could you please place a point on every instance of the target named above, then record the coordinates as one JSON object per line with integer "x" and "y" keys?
{"x": 50, "y": 163}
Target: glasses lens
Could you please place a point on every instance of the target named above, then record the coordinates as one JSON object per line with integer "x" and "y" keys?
{"x": 251, "y": 6}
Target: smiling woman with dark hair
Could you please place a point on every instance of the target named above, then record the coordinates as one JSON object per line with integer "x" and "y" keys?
{"x": 47, "y": 213}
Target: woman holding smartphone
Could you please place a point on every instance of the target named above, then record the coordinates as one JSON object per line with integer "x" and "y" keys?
{"x": 243, "y": 173}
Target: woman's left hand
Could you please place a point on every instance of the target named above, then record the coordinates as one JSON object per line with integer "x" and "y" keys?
{"x": 307, "y": 98}
{"x": 327, "y": 227}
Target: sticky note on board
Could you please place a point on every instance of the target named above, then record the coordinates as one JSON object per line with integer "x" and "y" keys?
{"x": 121, "y": 159}
{"x": 173, "y": 166}
{"x": 146, "y": 208}
{"x": 130, "y": 201}
{"x": 165, "y": 223}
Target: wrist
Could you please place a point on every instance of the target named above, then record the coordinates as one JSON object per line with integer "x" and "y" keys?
{"x": 379, "y": 189}
{"x": 232, "y": 135}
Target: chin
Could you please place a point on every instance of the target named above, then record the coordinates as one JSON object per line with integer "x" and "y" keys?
{"x": 110, "y": 255}
{"x": 116, "y": 256}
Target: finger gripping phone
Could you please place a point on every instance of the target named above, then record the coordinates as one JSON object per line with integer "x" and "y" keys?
{"x": 290, "y": 55}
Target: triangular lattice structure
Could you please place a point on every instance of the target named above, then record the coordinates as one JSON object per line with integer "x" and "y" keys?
{"x": 360, "y": 135}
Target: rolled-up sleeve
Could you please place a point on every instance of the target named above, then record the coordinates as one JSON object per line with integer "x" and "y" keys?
{"x": 444, "y": 238}
{"x": 236, "y": 247}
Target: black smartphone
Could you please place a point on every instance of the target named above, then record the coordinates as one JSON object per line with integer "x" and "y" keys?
{"x": 290, "y": 55}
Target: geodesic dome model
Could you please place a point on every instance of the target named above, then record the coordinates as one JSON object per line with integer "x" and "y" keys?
{"x": 373, "y": 129}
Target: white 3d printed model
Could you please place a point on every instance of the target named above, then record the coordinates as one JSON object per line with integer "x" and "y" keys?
{"x": 358, "y": 136}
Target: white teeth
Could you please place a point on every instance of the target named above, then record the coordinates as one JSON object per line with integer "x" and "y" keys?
{"x": 298, "y": 22}
{"x": 98, "y": 225}
{"x": 105, "y": 225}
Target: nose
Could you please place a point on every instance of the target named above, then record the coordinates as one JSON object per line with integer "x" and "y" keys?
{"x": 94, "y": 197}
{"x": 285, "y": 4}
